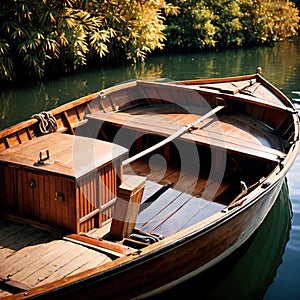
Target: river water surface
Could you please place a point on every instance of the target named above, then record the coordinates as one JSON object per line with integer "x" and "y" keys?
{"x": 268, "y": 267}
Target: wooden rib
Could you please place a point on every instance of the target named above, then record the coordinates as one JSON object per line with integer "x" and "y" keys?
{"x": 68, "y": 122}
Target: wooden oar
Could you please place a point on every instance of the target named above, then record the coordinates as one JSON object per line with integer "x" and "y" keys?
{"x": 173, "y": 136}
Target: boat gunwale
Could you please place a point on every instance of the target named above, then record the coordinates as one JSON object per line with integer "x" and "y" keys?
{"x": 256, "y": 76}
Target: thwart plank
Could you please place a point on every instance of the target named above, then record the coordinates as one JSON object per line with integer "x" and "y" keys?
{"x": 220, "y": 132}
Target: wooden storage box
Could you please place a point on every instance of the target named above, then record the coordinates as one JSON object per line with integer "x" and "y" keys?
{"x": 75, "y": 189}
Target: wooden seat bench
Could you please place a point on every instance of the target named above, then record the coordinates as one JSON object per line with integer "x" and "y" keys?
{"x": 217, "y": 133}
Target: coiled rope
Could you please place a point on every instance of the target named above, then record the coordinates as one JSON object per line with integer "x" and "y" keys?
{"x": 47, "y": 122}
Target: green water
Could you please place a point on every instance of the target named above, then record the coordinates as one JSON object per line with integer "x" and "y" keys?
{"x": 269, "y": 266}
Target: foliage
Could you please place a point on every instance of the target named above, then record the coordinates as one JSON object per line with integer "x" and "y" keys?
{"x": 204, "y": 24}
{"x": 192, "y": 27}
{"x": 37, "y": 33}
{"x": 135, "y": 27}
{"x": 37, "y": 36}
{"x": 40, "y": 37}
{"x": 269, "y": 21}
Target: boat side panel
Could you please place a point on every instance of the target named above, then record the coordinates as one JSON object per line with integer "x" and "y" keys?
{"x": 166, "y": 266}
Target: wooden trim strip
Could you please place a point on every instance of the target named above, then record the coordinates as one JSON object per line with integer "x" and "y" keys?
{"x": 89, "y": 215}
{"x": 21, "y": 287}
{"x": 216, "y": 80}
{"x": 108, "y": 204}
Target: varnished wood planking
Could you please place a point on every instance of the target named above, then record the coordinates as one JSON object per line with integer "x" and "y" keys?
{"x": 39, "y": 201}
{"x": 175, "y": 200}
{"x": 61, "y": 206}
{"x": 172, "y": 93}
{"x": 81, "y": 110}
{"x": 73, "y": 116}
{"x": 151, "y": 94}
{"x": 25, "y": 247}
{"x": 286, "y": 129}
{"x": 77, "y": 263}
{"x": 3, "y": 144}
{"x": 95, "y": 191}
{"x": 12, "y": 140}
{"x": 8, "y": 201}
{"x": 151, "y": 188}
{"x": 192, "y": 184}
{"x": 157, "y": 211}
{"x": 206, "y": 135}
{"x": 48, "y": 193}
{"x": 95, "y": 105}
{"x": 120, "y": 99}
{"x": 90, "y": 262}
{"x": 173, "y": 211}
{"x": 7, "y": 240}
{"x": 185, "y": 212}
{"x": 85, "y": 197}
{"x": 7, "y": 230}
{"x": 41, "y": 270}
{"x": 130, "y": 194}
{"x": 109, "y": 191}
{"x": 37, "y": 255}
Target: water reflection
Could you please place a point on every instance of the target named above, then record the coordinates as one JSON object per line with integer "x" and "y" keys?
{"x": 287, "y": 281}
{"x": 248, "y": 273}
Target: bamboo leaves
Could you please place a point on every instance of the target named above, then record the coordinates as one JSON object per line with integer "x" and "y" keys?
{"x": 54, "y": 36}
{"x": 39, "y": 37}
{"x": 6, "y": 64}
{"x": 97, "y": 39}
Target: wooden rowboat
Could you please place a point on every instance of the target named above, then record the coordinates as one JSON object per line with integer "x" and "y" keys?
{"x": 129, "y": 191}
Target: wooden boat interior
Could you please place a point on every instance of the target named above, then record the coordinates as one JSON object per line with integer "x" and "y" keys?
{"x": 186, "y": 181}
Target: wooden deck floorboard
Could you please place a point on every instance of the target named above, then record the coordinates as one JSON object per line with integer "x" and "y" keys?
{"x": 32, "y": 256}
{"x": 189, "y": 213}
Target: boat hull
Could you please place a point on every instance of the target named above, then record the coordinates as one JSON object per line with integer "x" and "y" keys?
{"x": 183, "y": 253}
{"x": 161, "y": 269}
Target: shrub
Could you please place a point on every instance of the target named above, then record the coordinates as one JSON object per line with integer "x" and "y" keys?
{"x": 204, "y": 24}
{"x": 269, "y": 21}
{"x": 37, "y": 36}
